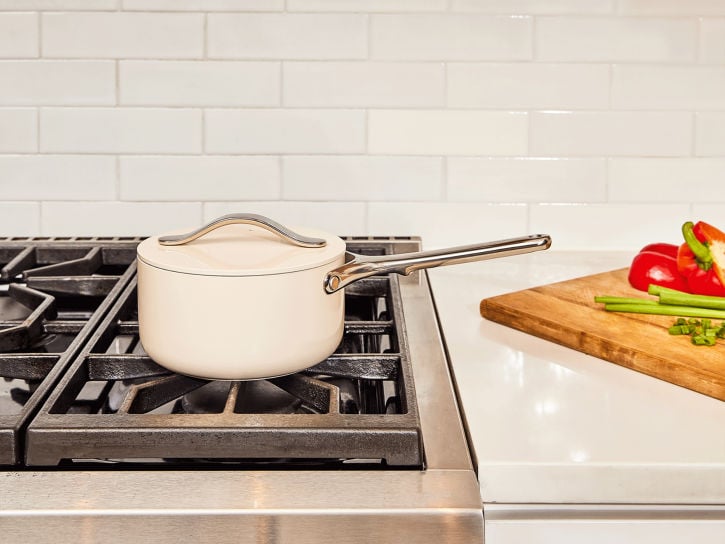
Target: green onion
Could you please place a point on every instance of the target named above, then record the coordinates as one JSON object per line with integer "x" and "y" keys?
{"x": 665, "y": 309}
{"x": 694, "y": 312}
{"x": 623, "y": 300}
{"x": 701, "y": 332}
{"x": 678, "y": 298}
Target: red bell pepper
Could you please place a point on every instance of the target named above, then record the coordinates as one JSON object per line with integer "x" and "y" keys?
{"x": 660, "y": 247}
{"x": 701, "y": 259}
{"x": 656, "y": 264}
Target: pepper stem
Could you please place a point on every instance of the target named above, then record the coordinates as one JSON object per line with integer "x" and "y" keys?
{"x": 699, "y": 250}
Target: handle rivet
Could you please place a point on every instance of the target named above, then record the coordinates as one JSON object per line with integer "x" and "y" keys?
{"x": 333, "y": 282}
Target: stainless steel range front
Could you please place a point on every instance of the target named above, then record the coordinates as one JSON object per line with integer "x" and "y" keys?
{"x": 100, "y": 444}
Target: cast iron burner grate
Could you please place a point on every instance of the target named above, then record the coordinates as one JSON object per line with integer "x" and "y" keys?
{"x": 114, "y": 404}
{"x": 53, "y": 292}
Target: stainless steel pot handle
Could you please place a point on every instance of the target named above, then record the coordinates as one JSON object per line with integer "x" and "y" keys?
{"x": 246, "y": 219}
{"x": 358, "y": 267}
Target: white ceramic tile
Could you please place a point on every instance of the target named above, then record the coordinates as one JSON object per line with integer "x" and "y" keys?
{"x": 710, "y": 213}
{"x": 57, "y": 177}
{"x": 287, "y": 36}
{"x": 117, "y": 218}
{"x": 199, "y": 83}
{"x": 616, "y": 39}
{"x": 526, "y": 85}
{"x": 367, "y": 5}
{"x": 668, "y": 87}
{"x": 120, "y": 130}
{"x": 671, "y": 7}
{"x": 609, "y": 226}
{"x": 710, "y": 134}
{"x": 442, "y": 224}
{"x": 526, "y": 180}
{"x": 712, "y": 40}
{"x": 284, "y": 131}
{"x": 666, "y": 180}
{"x": 611, "y": 133}
{"x": 450, "y": 37}
{"x": 372, "y": 84}
{"x": 419, "y": 132}
{"x": 199, "y": 178}
{"x": 362, "y": 177}
{"x": 123, "y": 35}
{"x": 57, "y": 82}
{"x": 203, "y": 5}
{"x": 58, "y": 5}
{"x": 19, "y": 218}
{"x": 339, "y": 218}
{"x": 18, "y": 130}
{"x": 18, "y": 35}
{"x": 534, "y": 7}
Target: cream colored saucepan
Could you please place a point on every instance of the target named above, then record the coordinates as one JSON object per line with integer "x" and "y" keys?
{"x": 246, "y": 298}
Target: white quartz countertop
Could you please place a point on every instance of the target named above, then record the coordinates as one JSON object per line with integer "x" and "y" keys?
{"x": 552, "y": 425}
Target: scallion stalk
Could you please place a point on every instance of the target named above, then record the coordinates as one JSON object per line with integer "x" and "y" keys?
{"x": 679, "y": 298}
{"x": 623, "y": 300}
{"x": 665, "y": 309}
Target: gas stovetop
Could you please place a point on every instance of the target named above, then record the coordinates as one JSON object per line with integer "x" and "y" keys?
{"x": 84, "y": 409}
{"x": 53, "y": 293}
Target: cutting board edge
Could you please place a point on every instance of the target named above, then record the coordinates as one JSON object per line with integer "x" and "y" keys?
{"x": 494, "y": 311}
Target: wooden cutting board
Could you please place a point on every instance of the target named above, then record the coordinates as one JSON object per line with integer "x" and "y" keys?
{"x": 566, "y": 313}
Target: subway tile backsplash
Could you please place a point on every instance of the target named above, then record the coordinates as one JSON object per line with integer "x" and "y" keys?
{"x": 18, "y": 132}
{"x": 122, "y": 35}
{"x": 447, "y": 37}
{"x": 447, "y": 132}
{"x": 69, "y": 83}
{"x": 616, "y": 39}
{"x": 287, "y": 36}
{"x": 18, "y": 35}
{"x": 613, "y": 133}
{"x": 120, "y": 130}
{"x": 601, "y": 122}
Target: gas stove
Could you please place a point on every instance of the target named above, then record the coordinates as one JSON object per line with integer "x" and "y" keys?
{"x": 97, "y": 439}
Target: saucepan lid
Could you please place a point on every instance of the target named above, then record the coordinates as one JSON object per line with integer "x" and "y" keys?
{"x": 241, "y": 245}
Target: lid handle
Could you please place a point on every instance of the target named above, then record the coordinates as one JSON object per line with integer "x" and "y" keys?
{"x": 245, "y": 219}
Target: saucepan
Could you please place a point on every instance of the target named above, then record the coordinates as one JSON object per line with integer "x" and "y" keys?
{"x": 244, "y": 297}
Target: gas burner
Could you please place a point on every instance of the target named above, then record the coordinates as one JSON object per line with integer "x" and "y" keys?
{"x": 53, "y": 292}
{"x": 30, "y": 330}
{"x": 357, "y": 404}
